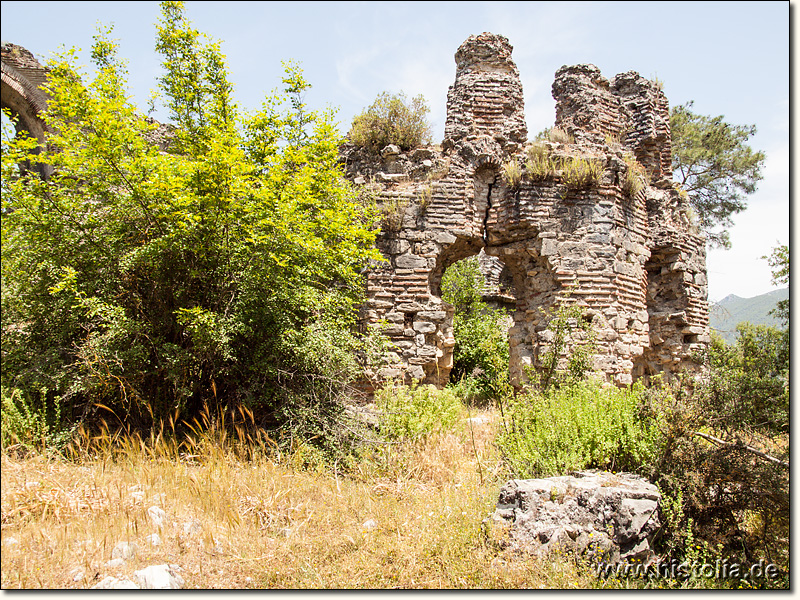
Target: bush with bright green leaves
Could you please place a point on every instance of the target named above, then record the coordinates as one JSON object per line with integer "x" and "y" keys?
{"x": 480, "y": 355}
{"x": 224, "y": 271}
{"x": 27, "y": 423}
{"x": 579, "y": 425}
{"x": 416, "y": 411}
{"x": 392, "y": 119}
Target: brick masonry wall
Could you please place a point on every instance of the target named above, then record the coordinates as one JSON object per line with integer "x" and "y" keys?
{"x": 637, "y": 265}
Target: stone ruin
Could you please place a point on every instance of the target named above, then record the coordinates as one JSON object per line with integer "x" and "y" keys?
{"x": 600, "y": 516}
{"x": 634, "y": 260}
{"x": 20, "y": 92}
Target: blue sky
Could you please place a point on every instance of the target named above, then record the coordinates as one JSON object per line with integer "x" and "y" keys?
{"x": 730, "y": 58}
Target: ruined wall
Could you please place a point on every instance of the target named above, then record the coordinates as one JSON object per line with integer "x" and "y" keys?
{"x": 637, "y": 264}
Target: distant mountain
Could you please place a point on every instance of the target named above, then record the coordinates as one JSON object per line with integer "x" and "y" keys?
{"x": 726, "y": 314}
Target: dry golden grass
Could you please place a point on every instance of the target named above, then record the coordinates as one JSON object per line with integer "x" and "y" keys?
{"x": 407, "y": 516}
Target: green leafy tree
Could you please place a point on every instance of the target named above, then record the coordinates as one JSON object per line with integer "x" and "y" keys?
{"x": 779, "y": 261}
{"x": 392, "y": 119}
{"x": 224, "y": 271}
{"x": 713, "y": 163}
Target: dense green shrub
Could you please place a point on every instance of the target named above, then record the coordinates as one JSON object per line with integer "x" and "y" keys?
{"x": 733, "y": 496}
{"x": 480, "y": 356}
{"x": 29, "y": 424}
{"x": 416, "y": 411}
{"x": 223, "y": 271}
{"x": 391, "y": 119}
{"x": 579, "y": 425}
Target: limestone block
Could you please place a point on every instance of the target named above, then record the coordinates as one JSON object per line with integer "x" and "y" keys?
{"x": 446, "y": 360}
{"x": 416, "y": 372}
{"x": 444, "y": 237}
{"x": 427, "y": 352}
{"x": 379, "y": 303}
{"x": 396, "y": 329}
{"x": 389, "y": 373}
{"x": 409, "y": 307}
{"x": 434, "y": 316}
{"x": 616, "y": 512}
{"x": 398, "y": 246}
{"x": 390, "y": 150}
{"x": 391, "y": 177}
{"x": 623, "y": 379}
{"x": 421, "y": 154}
{"x": 424, "y": 327}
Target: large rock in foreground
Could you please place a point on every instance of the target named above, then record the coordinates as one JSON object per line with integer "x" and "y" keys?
{"x": 600, "y": 515}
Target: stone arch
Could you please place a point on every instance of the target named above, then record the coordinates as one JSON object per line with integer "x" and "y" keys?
{"x": 462, "y": 248}
{"x": 552, "y": 241}
{"x": 21, "y": 94}
{"x": 535, "y": 289}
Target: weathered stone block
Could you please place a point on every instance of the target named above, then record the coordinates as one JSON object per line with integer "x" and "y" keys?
{"x": 410, "y": 261}
{"x": 424, "y": 327}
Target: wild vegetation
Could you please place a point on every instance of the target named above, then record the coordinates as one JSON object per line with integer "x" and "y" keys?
{"x": 223, "y": 271}
{"x": 392, "y": 119}
{"x": 178, "y": 333}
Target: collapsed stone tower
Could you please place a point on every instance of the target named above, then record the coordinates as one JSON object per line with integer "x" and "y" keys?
{"x": 622, "y": 244}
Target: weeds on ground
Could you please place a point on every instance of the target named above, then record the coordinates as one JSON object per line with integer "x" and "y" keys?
{"x": 417, "y": 411}
{"x": 28, "y": 426}
{"x": 573, "y": 427}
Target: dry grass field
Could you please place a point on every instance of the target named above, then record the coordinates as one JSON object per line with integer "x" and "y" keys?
{"x": 407, "y": 516}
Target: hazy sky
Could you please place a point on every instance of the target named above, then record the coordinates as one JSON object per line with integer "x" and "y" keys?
{"x": 731, "y": 58}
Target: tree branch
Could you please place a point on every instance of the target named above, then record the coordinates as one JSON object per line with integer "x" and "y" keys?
{"x": 750, "y": 449}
